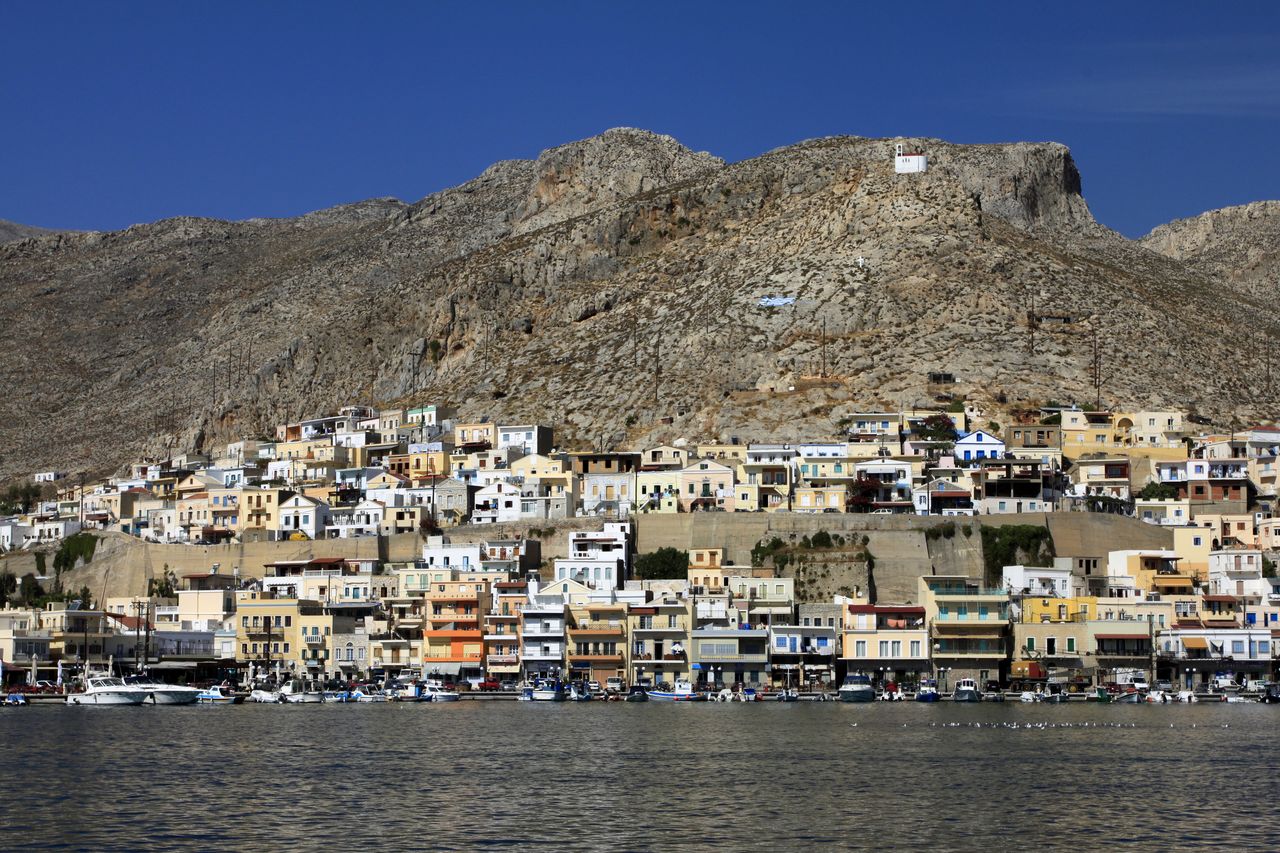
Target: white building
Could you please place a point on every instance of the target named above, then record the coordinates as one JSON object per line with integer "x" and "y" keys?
{"x": 598, "y": 559}
{"x": 976, "y": 445}
{"x": 496, "y": 503}
{"x": 1039, "y": 581}
{"x": 909, "y": 162}
{"x": 301, "y": 514}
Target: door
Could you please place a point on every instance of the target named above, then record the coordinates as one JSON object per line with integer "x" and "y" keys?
{"x": 1051, "y": 646}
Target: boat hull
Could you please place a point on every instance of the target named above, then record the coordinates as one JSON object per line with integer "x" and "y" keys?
{"x": 118, "y": 697}
{"x": 162, "y": 696}
{"x": 857, "y": 694}
{"x": 927, "y": 697}
{"x": 666, "y": 696}
{"x": 548, "y": 696}
{"x": 967, "y": 696}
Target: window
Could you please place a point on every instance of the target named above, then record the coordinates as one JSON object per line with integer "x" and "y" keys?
{"x": 1071, "y": 644}
{"x": 860, "y": 649}
{"x": 1237, "y": 647}
{"x": 1031, "y": 644}
{"x": 895, "y": 648}
{"x": 915, "y": 648}
{"x": 286, "y": 648}
{"x": 884, "y": 648}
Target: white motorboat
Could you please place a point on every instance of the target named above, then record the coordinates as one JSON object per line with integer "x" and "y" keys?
{"x": 264, "y": 694}
{"x": 164, "y": 694}
{"x": 683, "y": 692}
{"x": 548, "y": 690}
{"x": 967, "y": 691}
{"x": 295, "y": 692}
{"x": 108, "y": 690}
{"x": 435, "y": 691}
{"x": 366, "y": 693}
{"x": 218, "y": 694}
{"x": 857, "y": 688}
{"x": 927, "y": 691}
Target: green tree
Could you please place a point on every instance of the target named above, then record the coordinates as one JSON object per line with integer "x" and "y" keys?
{"x": 1154, "y": 491}
{"x": 664, "y": 563}
{"x": 28, "y": 590}
{"x": 8, "y": 585}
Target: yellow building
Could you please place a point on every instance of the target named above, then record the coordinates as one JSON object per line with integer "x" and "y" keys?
{"x": 968, "y": 626}
{"x": 658, "y": 640}
{"x": 597, "y": 641}
{"x": 285, "y": 635}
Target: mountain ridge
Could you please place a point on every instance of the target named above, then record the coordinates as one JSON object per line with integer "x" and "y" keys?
{"x": 610, "y": 284}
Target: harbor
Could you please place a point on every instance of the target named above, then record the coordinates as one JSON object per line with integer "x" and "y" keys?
{"x": 799, "y": 774}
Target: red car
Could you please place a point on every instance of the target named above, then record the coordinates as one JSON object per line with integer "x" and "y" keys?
{"x": 488, "y": 684}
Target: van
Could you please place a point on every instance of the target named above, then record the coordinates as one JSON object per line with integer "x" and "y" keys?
{"x": 614, "y": 684}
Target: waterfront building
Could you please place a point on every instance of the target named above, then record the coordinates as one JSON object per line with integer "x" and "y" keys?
{"x": 658, "y": 633}
{"x": 968, "y": 626}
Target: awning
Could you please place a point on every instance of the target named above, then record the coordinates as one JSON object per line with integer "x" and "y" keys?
{"x": 173, "y": 664}
{"x": 1195, "y": 643}
{"x": 1121, "y": 636}
{"x": 442, "y": 667}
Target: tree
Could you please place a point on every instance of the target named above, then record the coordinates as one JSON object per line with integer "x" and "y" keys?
{"x": 664, "y": 563}
{"x": 1155, "y": 491}
{"x": 8, "y": 585}
{"x": 28, "y": 590}
{"x": 937, "y": 428}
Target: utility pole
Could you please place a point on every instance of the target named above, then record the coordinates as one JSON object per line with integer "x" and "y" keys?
{"x": 1096, "y": 376}
{"x": 823, "y": 373}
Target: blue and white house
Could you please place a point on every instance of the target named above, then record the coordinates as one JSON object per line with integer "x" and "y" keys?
{"x": 976, "y": 445}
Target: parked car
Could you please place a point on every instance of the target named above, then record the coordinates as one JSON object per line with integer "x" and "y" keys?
{"x": 507, "y": 684}
{"x": 488, "y": 684}
{"x": 614, "y": 684}
{"x": 593, "y": 686}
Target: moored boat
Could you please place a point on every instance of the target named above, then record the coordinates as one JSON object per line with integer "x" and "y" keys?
{"x": 683, "y": 692}
{"x": 637, "y": 694}
{"x": 164, "y": 694}
{"x": 548, "y": 690}
{"x": 967, "y": 691}
{"x": 857, "y": 688}
{"x": 295, "y": 692}
{"x": 107, "y": 690}
{"x": 435, "y": 691}
{"x": 579, "y": 692}
{"x": 218, "y": 694}
{"x": 927, "y": 691}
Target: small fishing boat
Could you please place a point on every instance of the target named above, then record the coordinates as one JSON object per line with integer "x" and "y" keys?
{"x": 579, "y": 692}
{"x": 218, "y": 694}
{"x": 927, "y": 691}
{"x": 366, "y": 693}
{"x": 1271, "y": 695}
{"x": 857, "y": 688}
{"x": 637, "y": 694}
{"x": 683, "y": 692}
{"x": 789, "y": 694}
{"x": 295, "y": 692}
{"x": 435, "y": 691}
{"x": 1100, "y": 694}
{"x": 967, "y": 691}
{"x": 548, "y": 690}
{"x": 1128, "y": 697}
{"x": 14, "y": 699}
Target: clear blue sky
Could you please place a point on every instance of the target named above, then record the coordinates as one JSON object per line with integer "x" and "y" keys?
{"x": 117, "y": 113}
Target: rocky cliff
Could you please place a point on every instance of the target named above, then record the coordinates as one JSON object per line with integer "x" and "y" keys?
{"x": 1237, "y": 246}
{"x": 612, "y": 287}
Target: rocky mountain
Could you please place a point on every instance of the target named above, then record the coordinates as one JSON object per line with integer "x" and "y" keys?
{"x": 612, "y": 287}
{"x": 1238, "y": 246}
{"x": 10, "y": 231}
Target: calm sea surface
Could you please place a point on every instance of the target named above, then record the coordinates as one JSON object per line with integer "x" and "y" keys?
{"x": 641, "y": 777}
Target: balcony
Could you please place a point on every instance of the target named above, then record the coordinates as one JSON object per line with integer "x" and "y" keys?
{"x": 598, "y": 629}
{"x": 595, "y": 658}
{"x": 734, "y": 658}
{"x": 540, "y": 654}
{"x": 502, "y": 660}
{"x": 660, "y": 629}
{"x": 313, "y": 640}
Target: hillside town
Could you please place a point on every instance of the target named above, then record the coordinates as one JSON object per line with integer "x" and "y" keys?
{"x": 488, "y": 611}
